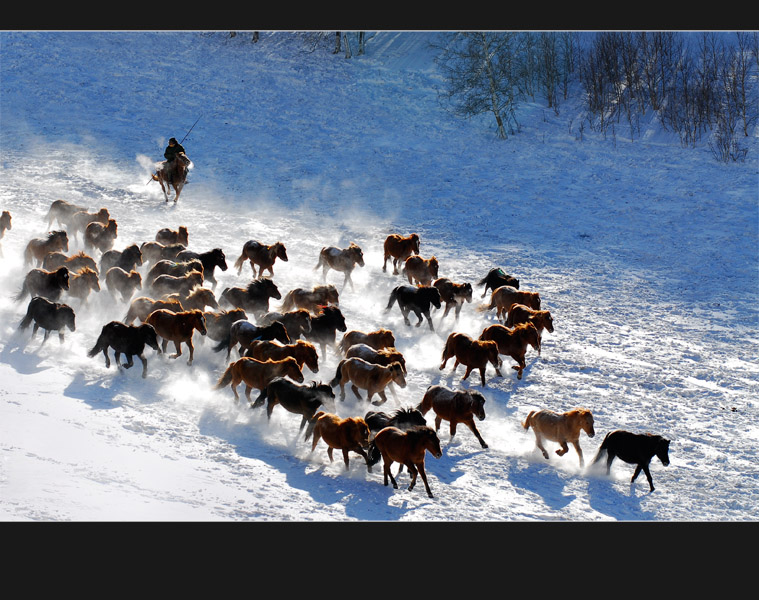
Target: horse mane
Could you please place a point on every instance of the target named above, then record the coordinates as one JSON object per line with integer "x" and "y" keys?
{"x": 85, "y": 271}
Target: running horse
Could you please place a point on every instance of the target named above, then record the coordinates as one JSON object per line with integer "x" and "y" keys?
{"x": 173, "y": 174}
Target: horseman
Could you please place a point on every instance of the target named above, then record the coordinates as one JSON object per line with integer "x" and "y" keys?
{"x": 173, "y": 150}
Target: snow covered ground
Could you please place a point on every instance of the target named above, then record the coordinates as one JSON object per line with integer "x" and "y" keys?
{"x": 644, "y": 252}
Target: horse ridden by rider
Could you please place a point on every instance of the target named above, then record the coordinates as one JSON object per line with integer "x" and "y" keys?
{"x": 173, "y": 171}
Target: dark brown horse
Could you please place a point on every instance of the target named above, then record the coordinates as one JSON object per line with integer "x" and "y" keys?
{"x": 50, "y": 316}
{"x": 168, "y": 236}
{"x": 61, "y": 211}
{"x": 563, "y": 428}
{"x": 409, "y": 448}
{"x": 173, "y": 268}
{"x": 129, "y": 340}
{"x": 81, "y": 283}
{"x": 381, "y": 338}
{"x": 79, "y": 220}
{"x": 126, "y": 284}
{"x": 152, "y": 252}
{"x": 102, "y": 237}
{"x": 181, "y": 284}
{"x": 454, "y": 406}
{"x": 244, "y": 333}
{"x": 142, "y": 306}
{"x": 210, "y": 260}
{"x": 297, "y": 322}
{"x": 418, "y": 300}
{"x": 177, "y": 328}
{"x": 48, "y": 284}
{"x": 513, "y": 342}
{"x": 473, "y": 354}
{"x": 453, "y": 295}
{"x": 77, "y": 261}
{"x": 634, "y": 448}
{"x": 368, "y": 376}
{"x": 257, "y": 374}
{"x": 312, "y": 300}
{"x": 343, "y": 260}
{"x": 421, "y": 271}
{"x": 300, "y": 399}
{"x": 350, "y": 434}
{"x": 303, "y": 352}
{"x": 399, "y": 248}
{"x": 262, "y": 255}
{"x": 254, "y": 298}
{"x": 324, "y": 327}
{"x": 496, "y": 278}
{"x": 38, "y": 248}
{"x": 402, "y": 418}
{"x": 128, "y": 259}
{"x": 173, "y": 174}
{"x": 219, "y": 323}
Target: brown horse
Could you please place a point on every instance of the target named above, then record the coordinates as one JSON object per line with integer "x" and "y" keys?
{"x": 381, "y": 338}
{"x": 504, "y": 297}
{"x": 38, "y": 248}
{"x": 84, "y": 281}
{"x": 257, "y": 374}
{"x": 173, "y": 174}
{"x": 409, "y": 448}
{"x": 422, "y": 271}
{"x": 297, "y": 322}
{"x": 219, "y": 323}
{"x": 177, "y": 328}
{"x": 126, "y": 284}
{"x": 343, "y": 260}
{"x": 384, "y": 356}
{"x": 370, "y": 377}
{"x": 77, "y": 261}
{"x": 142, "y": 306}
{"x": 473, "y": 354}
{"x": 173, "y": 268}
{"x": 61, "y": 211}
{"x": 454, "y": 406}
{"x": 563, "y": 428}
{"x": 348, "y": 434}
{"x": 199, "y": 297}
{"x": 181, "y": 284}
{"x": 312, "y": 300}
{"x": 129, "y": 258}
{"x": 399, "y": 248}
{"x": 48, "y": 284}
{"x": 168, "y": 236}
{"x": 513, "y": 342}
{"x": 262, "y": 255}
{"x": 102, "y": 237}
{"x": 303, "y": 352}
{"x": 453, "y": 295}
{"x": 520, "y": 313}
{"x": 152, "y": 252}
{"x": 244, "y": 332}
{"x": 79, "y": 220}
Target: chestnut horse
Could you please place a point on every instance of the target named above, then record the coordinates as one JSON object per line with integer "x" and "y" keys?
{"x": 48, "y": 315}
{"x": 504, "y": 297}
{"x": 348, "y": 434}
{"x": 126, "y": 284}
{"x": 173, "y": 174}
{"x": 304, "y": 400}
{"x": 48, "y": 284}
{"x": 634, "y": 448}
{"x": 177, "y": 328}
{"x": 520, "y": 313}
{"x": 257, "y": 374}
{"x": 38, "y": 248}
{"x": 102, "y": 237}
{"x": 408, "y": 448}
{"x": 563, "y": 428}
{"x": 262, "y": 255}
{"x": 473, "y": 354}
{"x": 513, "y": 342}
{"x": 129, "y": 340}
{"x": 343, "y": 260}
{"x": 168, "y": 236}
{"x": 312, "y": 300}
{"x": 453, "y": 295}
{"x": 381, "y": 338}
{"x": 370, "y": 377}
{"x": 84, "y": 281}
{"x": 303, "y": 352}
{"x": 454, "y": 406}
{"x": 142, "y": 306}
{"x": 422, "y": 271}
{"x": 399, "y": 248}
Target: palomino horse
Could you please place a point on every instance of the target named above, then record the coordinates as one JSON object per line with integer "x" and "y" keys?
{"x": 453, "y": 295}
{"x": 303, "y": 352}
{"x": 312, "y": 300}
{"x": 454, "y": 406}
{"x": 504, "y": 297}
{"x": 408, "y": 448}
{"x": 563, "y": 428}
{"x": 370, "y": 377}
{"x": 304, "y": 400}
{"x": 126, "y": 284}
{"x": 348, "y": 434}
{"x": 168, "y": 236}
{"x": 129, "y": 258}
{"x": 142, "y": 306}
{"x": 50, "y": 316}
{"x": 38, "y": 248}
{"x": 417, "y": 299}
{"x": 421, "y": 271}
{"x": 343, "y": 260}
{"x": 473, "y": 354}
{"x": 513, "y": 342}
{"x": 496, "y": 278}
{"x": 399, "y": 248}
{"x": 48, "y": 284}
{"x": 381, "y": 338}
{"x": 81, "y": 283}
{"x": 262, "y": 255}
{"x": 173, "y": 174}
{"x": 177, "y": 328}
{"x": 634, "y": 448}
{"x": 129, "y": 340}
{"x": 257, "y": 374}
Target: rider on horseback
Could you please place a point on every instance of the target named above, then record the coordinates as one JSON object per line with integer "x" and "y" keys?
{"x": 172, "y": 150}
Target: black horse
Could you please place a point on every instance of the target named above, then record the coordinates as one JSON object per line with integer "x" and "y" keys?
{"x": 243, "y": 332}
{"x": 50, "y": 316}
{"x": 254, "y": 298}
{"x": 496, "y": 278}
{"x": 403, "y": 418}
{"x": 417, "y": 299}
{"x": 323, "y": 328}
{"x": 128, "y": 259}
{"x": 129, "y": 340}
{"x": 48, "y": 284}
{"x": 210, "y": 260}
{"x": 634, "y": 448}
{"x": 301, "y": 399}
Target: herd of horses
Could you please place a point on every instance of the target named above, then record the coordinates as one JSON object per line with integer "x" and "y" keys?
{"x": 170, "y": 291}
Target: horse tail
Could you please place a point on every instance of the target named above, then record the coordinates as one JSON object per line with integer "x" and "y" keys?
{"x": 486, "y": 307}
{"x": 240, "y": 262}
{"x": 99, "y": 346}
{"x": 223, "y": 344}
{"x": 27, "y": 320}
{"x": 312, "y": 424}
{"x": 393, "y": 298}
{"x": 338, "y": 374}
{"x": 20, "y": 296}
{"x": 225, "y": 379}
{"x": 321, "y": 259}
{"x": 287, "y": 302}
{"x": 528, "y": 421}
{"x": 601, "y": 449}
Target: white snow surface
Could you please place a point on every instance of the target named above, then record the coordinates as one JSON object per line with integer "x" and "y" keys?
{"x": 645, "y": 253}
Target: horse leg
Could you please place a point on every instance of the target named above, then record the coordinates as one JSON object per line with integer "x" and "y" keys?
{"x": 473, "y": 427}
{"x": 468, "y": 372}
{"x": 564, "y": 448}
{"x": 381, "y": 394}
{"x": 248, "y": 388}
{"x": 438, "y": 421}
{"x": 387, "y": 473}
{"x": 539, "y": 444}
{"x": 579, "y": 452}
{"x": 345, "y": 458}
{"x": 482, "y": 375}
{"x": 424, "y": 479}
{"x": 452, "y": 428}
{"x": 405, "y": 312}
{"x": 107, "y": 360}
{"x": 429, "y": 320}
{"x": 355, "y": 391}
{"x": 609, "y": 459}
{"x": 648, "y": 476}
{"x": 412, "y": 470}
{"x": 129, "y": 363}
{"x": 144, "y": 366}
{"x": 329, "y": 453}
{"x": 178, "y": 347}
{"x": 192, "y": 350}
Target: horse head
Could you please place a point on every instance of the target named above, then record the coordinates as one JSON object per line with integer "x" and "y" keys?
{"x": 198, "y": 321}
{"x": 62, "y": 278}
{"x": 280, "y": 251}
{"x": 662, "y": 450}
{"x": 219, "y": 259}
{"x": 585, "y": 418}
{"x": 149, "y": 336}
{"x": 68, "y": 317}
{"x": 396, "y": 370}
{"x": 477, "y": 404}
